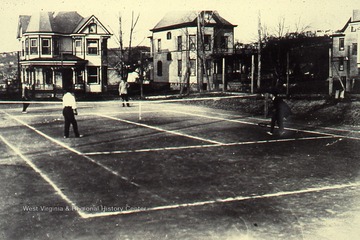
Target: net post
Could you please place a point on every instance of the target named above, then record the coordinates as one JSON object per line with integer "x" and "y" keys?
{"x": 139, "y": 110}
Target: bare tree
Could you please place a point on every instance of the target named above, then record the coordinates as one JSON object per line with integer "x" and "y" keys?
{"x": 300, "y": 27}
{"x": 133, "y": 25}
{"x": 280, "y": 28}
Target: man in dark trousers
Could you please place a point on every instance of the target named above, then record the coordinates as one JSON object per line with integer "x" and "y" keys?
{"x": 26, "y": 98}
{"x": 280, "y": 111}
{"x": 69, "y": 112}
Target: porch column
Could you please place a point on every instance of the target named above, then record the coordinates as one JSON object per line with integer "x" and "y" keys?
{"x": 74, "y": 75}
{"x": 53, "y": 76}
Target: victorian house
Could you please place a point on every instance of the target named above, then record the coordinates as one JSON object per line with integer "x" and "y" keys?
{"x": 192, "y": 45}
{"x": 63, "y": 50}
{"x": 345, "y": 60}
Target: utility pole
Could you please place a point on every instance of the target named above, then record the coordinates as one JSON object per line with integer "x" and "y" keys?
{"x": 259, "y": 54}
{"x": 252, "y": 72}
{"x": 287, "y": 74}
{"x": 199, "y": 51}
{"x": 331, "y": 80}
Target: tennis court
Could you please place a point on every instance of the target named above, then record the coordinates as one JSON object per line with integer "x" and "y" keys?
{"x": 212, "y": 173}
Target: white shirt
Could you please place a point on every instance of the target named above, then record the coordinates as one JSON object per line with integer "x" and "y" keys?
{"x": 123, "y": 86}
{"x": 69, "y": 100}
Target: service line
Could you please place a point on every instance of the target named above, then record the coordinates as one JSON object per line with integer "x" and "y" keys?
{"x": 205, "y": 146}
{"x": 224, "y": 200}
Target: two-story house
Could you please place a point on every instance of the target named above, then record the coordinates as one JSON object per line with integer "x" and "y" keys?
{"x": 345, "y": 60}
{"x": 191, "y": 43}
{"x": 62, "y": 50}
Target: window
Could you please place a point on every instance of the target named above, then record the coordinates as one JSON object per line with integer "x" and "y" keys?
{"x": 79, "y": 77}
{"x": 33, "y": 46}
{"x": 179, "y": 68}
{"x": 354, "y": 49}
{"x": 168, "y": 35}
{"x": 341, "y": 64}
{"x": 159, "y": 68}
{"x": 208, "y": 64}
{"x": 45, "y": 46}
{"x": 78, "y": 46}
{"x": 341, "y": 44}
{"x": 23, "y": 48}
{"x": 207, "y": 42}
{"x": 159, "y": 45}
{"x": 48, "y": 75}
{"x": 192, "y": 42}
{"x": 224, "y": 43}
{"x": 93, "y": 75}
{"x": 192, "y": 67}
{"x": 56, "y": 46}
{"x": 93, "y": 28}
{"x": 92, "y": 47}
{"x": 179, "y": 43}
{"x": 168, "y": 56}
{"x": 27, "y": 47}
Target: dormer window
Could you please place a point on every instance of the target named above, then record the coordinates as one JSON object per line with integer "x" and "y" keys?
{"x": 93, "y": 28}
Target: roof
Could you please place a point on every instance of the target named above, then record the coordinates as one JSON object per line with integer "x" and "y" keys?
{"x": 178, "y": 19}
{"x": 61, "y": 22}
{"x": 66, "y": 22}
{"x": 23, "y": 24}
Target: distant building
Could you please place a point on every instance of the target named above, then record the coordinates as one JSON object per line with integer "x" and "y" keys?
{"x": 61, "y": 50}
{"x": 345, "y": 60}
{"x": 179, "y": 42}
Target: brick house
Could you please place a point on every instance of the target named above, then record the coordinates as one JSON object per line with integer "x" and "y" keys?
{"x": 176, "y": 42}
{"x": 61, "y": 50}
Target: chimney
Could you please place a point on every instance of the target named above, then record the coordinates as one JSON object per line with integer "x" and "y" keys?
{"x": 356, "y": 15}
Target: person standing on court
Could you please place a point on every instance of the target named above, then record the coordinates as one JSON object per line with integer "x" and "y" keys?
{"x": 69, "y": 112}
{"x": 280, "y": 111}
{"x": 123, "y": 92}
{"x": 25, "y": 95}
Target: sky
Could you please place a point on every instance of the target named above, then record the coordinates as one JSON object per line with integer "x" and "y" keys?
{"x": 318, "y": 14}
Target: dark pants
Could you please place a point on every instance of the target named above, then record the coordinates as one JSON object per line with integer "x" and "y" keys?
{"x": 279, "y": 119}
{"x": 125, "y": 98}
{"x": 25, "y": 104}
{"x": 70, "y": 119}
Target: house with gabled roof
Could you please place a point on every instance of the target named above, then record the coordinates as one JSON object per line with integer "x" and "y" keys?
{"x": 63, "y": 50}
{"x": 192, "y": 45}
{"x": 345, "y": 58}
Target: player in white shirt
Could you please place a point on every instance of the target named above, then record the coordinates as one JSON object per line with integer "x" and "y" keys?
{"x": 69, "y": 112}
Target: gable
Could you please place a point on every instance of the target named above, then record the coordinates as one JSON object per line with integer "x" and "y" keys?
{"x": 179, "y": 19}
{"x": 91, "y": 25}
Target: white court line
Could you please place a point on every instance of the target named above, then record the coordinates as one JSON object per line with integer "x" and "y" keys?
{"x": 224, "y": 200}
{"x": 45, "y": 177}
{"x": 204, "y": 146}
{"x": 252, "y": 123}
{"x": 82, "y": 155}
{"x": 73, "y": 150}
{"x": 160, "y": 129}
